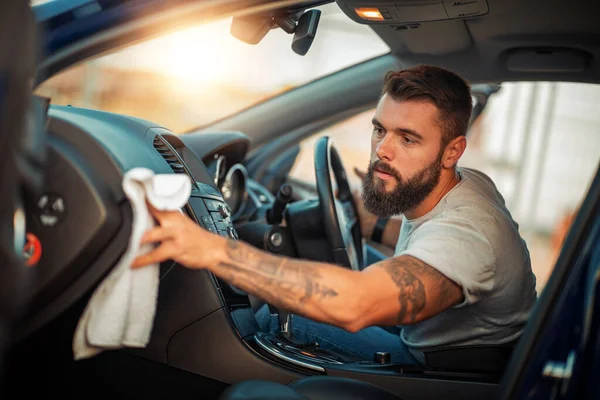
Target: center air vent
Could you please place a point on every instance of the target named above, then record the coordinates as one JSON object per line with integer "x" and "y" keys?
{"x": 167, "y": 152}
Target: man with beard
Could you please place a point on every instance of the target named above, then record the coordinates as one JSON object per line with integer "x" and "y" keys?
{"x": 460, "y": 275}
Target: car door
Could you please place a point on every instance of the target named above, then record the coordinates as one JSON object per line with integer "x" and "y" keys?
{"x": 558, "y": 356}
{"x": 21, "y": 166}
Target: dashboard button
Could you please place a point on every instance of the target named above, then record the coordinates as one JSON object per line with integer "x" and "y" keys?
{"x": 217, "y": 216}
{"x": 232, "y": 233}
{"x": 208, "y": 189}
{"x": 198, "y": 206}
{"x": 205, "y": 219}
{"x": 221, "y": 226}
{"x": 212, "y": 205}
{"x": 224, "y": 211}
{"x": 211, "y": 228}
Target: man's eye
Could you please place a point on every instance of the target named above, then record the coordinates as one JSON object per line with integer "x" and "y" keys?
{"x": 408, "y": 140}
{"x": 378, "y": 131}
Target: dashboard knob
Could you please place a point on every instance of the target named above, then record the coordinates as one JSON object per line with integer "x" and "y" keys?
{"x": 382, "y": 357}
{"x": 224, "y": 211}
{"x": 232, "y": 233}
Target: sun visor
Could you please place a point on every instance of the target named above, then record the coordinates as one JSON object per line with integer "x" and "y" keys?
{"x": 374, "y": 12}
{"x": 547, "y": 60}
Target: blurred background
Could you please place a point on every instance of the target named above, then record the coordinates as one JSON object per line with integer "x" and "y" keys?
{"x": 538, "y": 141}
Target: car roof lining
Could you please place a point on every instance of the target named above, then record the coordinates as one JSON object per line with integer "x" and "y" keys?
{"x": 478, "y": 48}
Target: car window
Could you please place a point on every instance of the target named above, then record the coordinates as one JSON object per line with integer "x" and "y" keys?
{"x": 198, "y": 75}
{"x": 538, "y": 142}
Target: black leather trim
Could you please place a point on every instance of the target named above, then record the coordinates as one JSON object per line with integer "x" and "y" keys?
{"x": 476, "y": 358}
{"x": 334, "y": 388}
{"x": 313, "y": 388}
{"x": 260, "y": 390}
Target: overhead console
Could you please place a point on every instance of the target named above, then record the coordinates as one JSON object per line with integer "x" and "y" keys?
{"x": 373, "y": 12}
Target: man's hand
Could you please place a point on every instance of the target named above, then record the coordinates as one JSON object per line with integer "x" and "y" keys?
{"x": 181, "y": 240}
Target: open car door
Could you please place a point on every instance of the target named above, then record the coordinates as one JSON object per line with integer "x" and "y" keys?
{"x": 558, "y": 356}
{"x": 22, "y": 142}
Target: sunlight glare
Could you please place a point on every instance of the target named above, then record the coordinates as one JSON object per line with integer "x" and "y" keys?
{"x": 200, "y": 56}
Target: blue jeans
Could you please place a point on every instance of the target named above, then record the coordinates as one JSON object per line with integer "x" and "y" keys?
{"x": 362, "y": 344}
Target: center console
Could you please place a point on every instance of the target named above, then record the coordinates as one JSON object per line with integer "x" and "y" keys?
{"x": 305, "y": 355}
{"x": 210, "y": 211}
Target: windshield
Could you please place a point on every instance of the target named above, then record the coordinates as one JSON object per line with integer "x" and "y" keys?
{"x": 195, "y": 76}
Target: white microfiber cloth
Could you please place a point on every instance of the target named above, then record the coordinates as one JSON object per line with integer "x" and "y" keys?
{"x": 121, "y": 311}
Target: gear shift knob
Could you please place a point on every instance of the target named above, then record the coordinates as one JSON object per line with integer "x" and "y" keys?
{"x": 284, "y": 319}
{"x": 285, "y": 323}
{"x": 283, "y": 197}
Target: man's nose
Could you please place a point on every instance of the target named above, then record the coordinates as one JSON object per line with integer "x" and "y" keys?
{"x": 385, "y": 148}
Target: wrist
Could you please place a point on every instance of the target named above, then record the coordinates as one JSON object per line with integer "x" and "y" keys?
{"x": 368, "y": 226}
{"x": 379, "y": 229}
{"x": 218, "y": 253}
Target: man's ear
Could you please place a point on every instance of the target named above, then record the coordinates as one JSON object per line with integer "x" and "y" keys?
{"x": 454, "y": 151}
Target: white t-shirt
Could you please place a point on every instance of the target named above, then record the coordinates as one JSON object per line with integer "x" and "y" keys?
{"x": 471, "y": 238}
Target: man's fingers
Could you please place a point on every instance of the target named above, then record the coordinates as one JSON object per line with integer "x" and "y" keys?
{"x": 163, "y": 217}
{"x": 158, "y": 214}
{"x": 158, "y": 255}
{"x": 158, "y": 234}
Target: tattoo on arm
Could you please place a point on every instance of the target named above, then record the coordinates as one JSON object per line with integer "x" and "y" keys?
{"x": 412, "y": 296}
{"x": 407, "y": 273}
{"x": 278, "y": 280}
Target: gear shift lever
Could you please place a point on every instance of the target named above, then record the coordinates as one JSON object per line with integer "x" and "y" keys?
{"x": 285, "y": 321}
{"x": 283, "y": 197}
{"x": 285, "y": 324}
{"x": 274, "y": 216}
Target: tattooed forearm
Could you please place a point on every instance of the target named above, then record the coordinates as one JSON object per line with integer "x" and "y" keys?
{"x": 280, "y": 281}
{"x": 338, "y": 296}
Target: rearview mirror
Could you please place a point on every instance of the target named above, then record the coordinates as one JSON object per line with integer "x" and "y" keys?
{"x": 304, "y": 26}
{"x": 305, "y": 32}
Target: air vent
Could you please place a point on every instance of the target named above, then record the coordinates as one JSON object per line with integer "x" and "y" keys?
{"x": 168, "y": 154}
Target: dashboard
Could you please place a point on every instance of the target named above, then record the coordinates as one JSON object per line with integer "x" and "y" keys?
{"x": 83, "y": 222}
{"x": 89, "y": 153}
{"x": 199, "y": 318}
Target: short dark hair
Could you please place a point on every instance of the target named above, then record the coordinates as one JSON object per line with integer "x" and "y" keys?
{"x": 446, "y": 90}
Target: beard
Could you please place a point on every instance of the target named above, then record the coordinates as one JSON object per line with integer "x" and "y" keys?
{"x": 406, "y": 195}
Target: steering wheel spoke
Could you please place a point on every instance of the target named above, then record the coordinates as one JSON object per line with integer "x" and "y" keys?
{"x": 350, "y": 213}
{"x": 340, "y": 216}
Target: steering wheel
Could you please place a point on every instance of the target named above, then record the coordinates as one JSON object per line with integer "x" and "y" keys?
{"x": 340, "y": 215}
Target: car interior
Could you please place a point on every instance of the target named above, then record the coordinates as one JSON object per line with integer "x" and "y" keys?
{"x": 206, "y": 342}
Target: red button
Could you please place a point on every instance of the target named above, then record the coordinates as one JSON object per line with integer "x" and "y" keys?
{"x": 32, "y": 252}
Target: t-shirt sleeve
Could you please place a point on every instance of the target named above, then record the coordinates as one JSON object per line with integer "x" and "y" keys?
{"x": 458, "y": 250}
